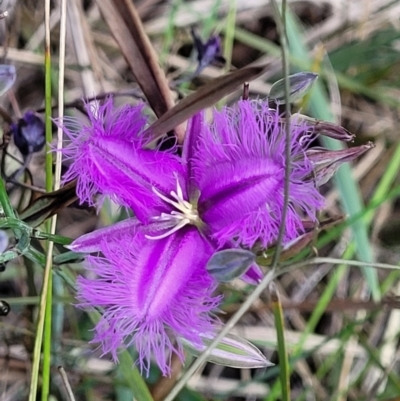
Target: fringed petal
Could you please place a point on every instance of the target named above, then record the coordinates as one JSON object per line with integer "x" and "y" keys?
{"x": 108, "y": 158}
{"x": 152, "y": 292}
{"x": 240, "y": 170}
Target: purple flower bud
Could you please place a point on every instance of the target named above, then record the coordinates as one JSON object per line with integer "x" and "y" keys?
{"x": 325, "y": 128}
{"x": 326, "y": 162}
{"x": 29, "y": 133}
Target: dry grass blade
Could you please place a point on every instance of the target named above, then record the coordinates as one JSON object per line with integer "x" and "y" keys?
{"x": 47, "y": 205}
{"x": 128, "y": 31}
{"x": 67, "y": 385}
{"x": 206, "y": 96}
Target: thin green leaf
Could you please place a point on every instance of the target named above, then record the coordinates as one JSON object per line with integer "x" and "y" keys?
{"x": 284, "y": 367}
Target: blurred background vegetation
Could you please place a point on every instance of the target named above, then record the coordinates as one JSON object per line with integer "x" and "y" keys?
{"x": 343, "y": 344}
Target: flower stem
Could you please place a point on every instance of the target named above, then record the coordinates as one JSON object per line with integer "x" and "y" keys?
{"x": 5, "y": 201}
{"x": 280, "y": 23}
{"x": 284, "y": 367}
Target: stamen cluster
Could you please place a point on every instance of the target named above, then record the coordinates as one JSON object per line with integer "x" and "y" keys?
{"x": 183, "y": 215}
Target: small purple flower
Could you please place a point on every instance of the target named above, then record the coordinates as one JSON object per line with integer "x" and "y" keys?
{"x": 225, "y": 191}
{"x": 208, "y": 53}
{"x": 29, "y": 133}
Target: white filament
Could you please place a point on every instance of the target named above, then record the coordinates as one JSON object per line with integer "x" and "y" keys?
{"x": 184, "y": 214}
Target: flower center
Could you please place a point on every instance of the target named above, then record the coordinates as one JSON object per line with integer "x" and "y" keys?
{"x": 184, "y": 213}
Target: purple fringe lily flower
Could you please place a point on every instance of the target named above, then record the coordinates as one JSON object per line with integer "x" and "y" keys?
{"x": 225, "y": 191}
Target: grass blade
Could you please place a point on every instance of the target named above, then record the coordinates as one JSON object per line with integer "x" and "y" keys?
{"x": 45, "y": 299}
{"x": 284, "y": 368}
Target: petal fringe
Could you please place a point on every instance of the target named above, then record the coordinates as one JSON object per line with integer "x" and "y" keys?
{"x": 152, "y": 293}
{"x": 239, "y": 168}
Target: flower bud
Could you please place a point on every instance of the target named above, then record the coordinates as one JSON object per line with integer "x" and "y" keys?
{"x": 326, "y": 162}
{"x": 232, "y": 351}
{"x": 29, "y": 133}
{"x": 299, "y": 84}
{"x": 208, "y": 53}
{"x": 228, "y": 264}
{"x": 325, "y": 128}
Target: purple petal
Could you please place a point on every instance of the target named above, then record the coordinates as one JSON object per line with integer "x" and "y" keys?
{"x": 240, "y": 168}
{"x": 153, "y": 292}
{"x": 108, "y": 158}
{"x": 253, "y": 275}
{"x": 192, "y": 136}
{"x": 94, "y": 241}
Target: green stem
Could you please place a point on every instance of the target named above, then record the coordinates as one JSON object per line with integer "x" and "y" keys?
{"x": 284, "y": 368}
{"x": 230, "y": 34}
{"x": 281, "y": 25}
{"x": 58, "y": 239}
{"x": 49, "y": 188}
{"x": 44, "y": 318}
{"x": 5, "y": 201}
